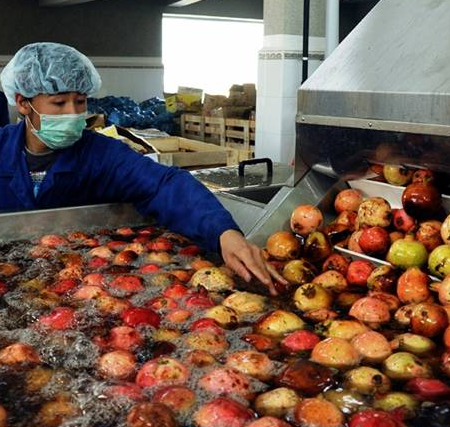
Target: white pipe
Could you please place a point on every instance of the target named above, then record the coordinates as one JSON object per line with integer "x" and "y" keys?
{"x": 332, "y": 26}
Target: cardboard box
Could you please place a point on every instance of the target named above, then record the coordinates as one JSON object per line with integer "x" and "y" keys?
{"x": 95, "y": 121}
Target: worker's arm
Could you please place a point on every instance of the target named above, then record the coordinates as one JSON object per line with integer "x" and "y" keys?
{"x": 181, "y": 203}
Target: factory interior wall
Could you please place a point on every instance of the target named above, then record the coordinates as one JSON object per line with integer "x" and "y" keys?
{"x": 124, "y": 42}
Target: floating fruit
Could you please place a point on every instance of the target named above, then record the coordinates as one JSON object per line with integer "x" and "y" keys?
{"x": 305, "y": 219}
{"x": 283, "y": 245}
{"x": 439, "y": 261}
{"x": 397, "y": 175}
{"x": 421, "y": 200}
{"x": 374, "y": 212}
{"x": 277, "y": 402}
{"x": 348, "y": 200}
{"x": 404, "y": 254}
{"x": 335, "y": 353}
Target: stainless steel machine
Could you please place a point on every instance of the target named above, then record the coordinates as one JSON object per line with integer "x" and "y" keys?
{"x": 383, "y": 96}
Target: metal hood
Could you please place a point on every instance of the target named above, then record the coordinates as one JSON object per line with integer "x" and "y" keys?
{"x": 394, "y": 66}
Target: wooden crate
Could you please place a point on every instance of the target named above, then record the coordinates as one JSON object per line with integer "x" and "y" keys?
{"x": 187, "y": 153}
{"x": 239, "y": 131}
{"x": 193, "y": 126}
{"x": 218, "y": 129}
{"x": 241, "y": 153}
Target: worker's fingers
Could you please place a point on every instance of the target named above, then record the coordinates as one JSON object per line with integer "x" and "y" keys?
{"x": 236, "y": 265}
{"x": 274, "y": 273}
{"x": 251, "y": 259}
{"x": 257, "y": 265}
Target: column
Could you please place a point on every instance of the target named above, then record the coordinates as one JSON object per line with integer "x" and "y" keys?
{"x": 280, "y": 73}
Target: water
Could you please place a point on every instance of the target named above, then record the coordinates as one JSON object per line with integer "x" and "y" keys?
{"x": 70, "y": 357}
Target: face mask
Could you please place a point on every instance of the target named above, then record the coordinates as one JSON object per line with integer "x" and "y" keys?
{"x": 59, "y": 130}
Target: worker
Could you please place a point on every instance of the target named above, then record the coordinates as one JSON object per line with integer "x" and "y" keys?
{"x": 4, "y": 113}
{"x": 49, "y": 160}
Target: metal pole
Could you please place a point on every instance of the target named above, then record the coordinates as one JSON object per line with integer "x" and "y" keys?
{"x": 305, "y": 40}
{"x": 332, "y": 26}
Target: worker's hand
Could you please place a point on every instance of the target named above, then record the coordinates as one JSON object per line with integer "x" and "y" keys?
{"x": 246, "y": 259}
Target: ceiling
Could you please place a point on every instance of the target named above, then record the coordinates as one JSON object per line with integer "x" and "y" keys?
{"x": 176, "y": 3}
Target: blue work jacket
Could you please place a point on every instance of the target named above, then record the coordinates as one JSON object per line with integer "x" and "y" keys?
{"x": 97, "y": 169}
{"x": 4, "y": 113}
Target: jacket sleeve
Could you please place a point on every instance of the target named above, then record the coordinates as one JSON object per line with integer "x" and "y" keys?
{"x": 173, "y": 196}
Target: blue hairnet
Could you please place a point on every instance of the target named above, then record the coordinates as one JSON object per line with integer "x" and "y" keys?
{"x": 48, "y": 68}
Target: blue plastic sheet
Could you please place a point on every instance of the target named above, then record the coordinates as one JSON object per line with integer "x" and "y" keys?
{"x": 125, "y": 112}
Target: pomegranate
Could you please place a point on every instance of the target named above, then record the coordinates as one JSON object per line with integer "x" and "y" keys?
{"x": 429, "y": 319}
{"x": 140, "y": 316}
{"x": 347, "y": 219}
{"x": 370, "y": 310}
{"x": 18, "y": 353}
{"x": 348, "y": 200}
{"x": 405, "y": 366}
{"x": 412, "y": 286}
{"x": 382, "y": 279}
{"x": 367, "y": 380}
{"x": 336, "y": 262}
{"x": 277, "y": 402}
{"x": 178, "y": 398}
{"x": 358, "y": 272}
{"x": 252, "y": 363}
{"x": 428, "y": 389}
{"x": 374, "y": 418}
{"x": 299, "y": 341}
{"x": 421, "y": 200}
{"x": 335, "y": 353}
{"x": 306, "y": 377}
{"x": 278, "y": 323}
{"x": 424, "y": 176}
{"x": 161, "y": 371}
{"x": 331, "y": 281}
{"x": 404, "y": 253}
{"x": 125, "y": 338}
{"x": 312, "y": 296}
{"x": 207, "y": 340}
{"x": 298, "y": 272}
{"x": 402, "y": 221}
{"x": 283, "y": 245}
{"x": 374, "y": 241}
{"x": 374, "y": 212}
{"x": 226, "y": 381}
{"x": 118, "y": 365}
{"x": 315, "y": 412}
{"x": 146, "y": 414}
{"x": 372, "y": 346}
{"x": 397, "y": 175}
{"x": 305, "y": 219}
{"x": 439, "y": 261}
{"x": 59, "y": 319}
{"x": 429, "y": 234}
{"x": 317, "y": 247}
{"x": 269, "y": 422}
{"x": 353, "y": 242}
{"x": 223, "y": 412}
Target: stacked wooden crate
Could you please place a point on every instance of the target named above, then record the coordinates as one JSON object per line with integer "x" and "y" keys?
{"x": 237, "y": 134}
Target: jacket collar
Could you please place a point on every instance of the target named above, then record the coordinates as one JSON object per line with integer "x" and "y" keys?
{"x": 12, "y": 153}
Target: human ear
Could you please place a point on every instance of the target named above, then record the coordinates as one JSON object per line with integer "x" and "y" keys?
{"x": 22, "y": 104}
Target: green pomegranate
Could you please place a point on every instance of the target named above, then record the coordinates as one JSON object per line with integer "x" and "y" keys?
{"x": 439, "y": 261}
{"x": 406, "y": 253}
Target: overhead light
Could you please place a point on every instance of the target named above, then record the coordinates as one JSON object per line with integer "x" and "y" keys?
{"x": 182, "y": 3}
